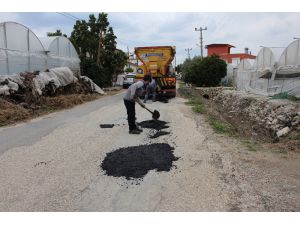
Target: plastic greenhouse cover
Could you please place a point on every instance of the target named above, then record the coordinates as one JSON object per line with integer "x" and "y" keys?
{"x": 291, "y": 55}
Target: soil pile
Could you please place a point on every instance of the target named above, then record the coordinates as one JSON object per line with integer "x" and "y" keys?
{"x": 135, "y": 162}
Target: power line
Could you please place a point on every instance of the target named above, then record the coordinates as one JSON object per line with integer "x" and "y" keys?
{"x": 68, "y": 15}
{"x": 72, "y": 16}
{"x": 64, "y": 15}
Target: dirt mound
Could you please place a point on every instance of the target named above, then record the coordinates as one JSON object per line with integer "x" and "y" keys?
{"x": 135, "y": 162}
{"x": 10, "y": 113}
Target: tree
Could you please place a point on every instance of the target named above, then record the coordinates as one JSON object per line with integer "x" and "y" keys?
{"x": 178, "y": 68}
{"x": 206, "y": 71}
{"x": 96, "y": 43}
{"x": 56, "y": 33}
{"x": 213, "y": 69}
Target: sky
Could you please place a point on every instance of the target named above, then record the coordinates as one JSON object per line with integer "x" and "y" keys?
{"x": 134, "y": 29}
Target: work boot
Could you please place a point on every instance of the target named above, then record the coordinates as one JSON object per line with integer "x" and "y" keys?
{"x": 139, "y": 128}
{"x": 134, "y": 131}
{"x": 145, "y": 101}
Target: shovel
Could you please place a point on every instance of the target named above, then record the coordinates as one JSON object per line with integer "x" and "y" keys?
{"x": 155, "y": 113}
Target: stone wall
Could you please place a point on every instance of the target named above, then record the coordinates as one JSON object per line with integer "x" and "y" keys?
{"x": 211, "y": 92}
{"x": 258, "y": 116}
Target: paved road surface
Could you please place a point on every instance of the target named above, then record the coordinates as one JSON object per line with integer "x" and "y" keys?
{"x": 53, "y": 164}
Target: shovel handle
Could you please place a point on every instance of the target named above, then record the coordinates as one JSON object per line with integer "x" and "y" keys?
{"x": 148, "y": 109}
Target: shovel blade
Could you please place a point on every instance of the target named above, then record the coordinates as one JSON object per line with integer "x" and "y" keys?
{"x": 155, "y": 115}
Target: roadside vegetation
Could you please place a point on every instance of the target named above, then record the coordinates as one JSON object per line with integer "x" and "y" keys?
{"x": 196, "y": 103}
{"x": 221, "y": 127}
{"x": 198, "y": 106}
{"x": 95, "y": 43}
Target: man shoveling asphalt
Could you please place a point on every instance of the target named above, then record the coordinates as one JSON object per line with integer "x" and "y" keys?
{"x": 132, "y": 95}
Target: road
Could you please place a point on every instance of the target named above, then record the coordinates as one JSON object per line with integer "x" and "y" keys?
{"x": 53, "y": 164}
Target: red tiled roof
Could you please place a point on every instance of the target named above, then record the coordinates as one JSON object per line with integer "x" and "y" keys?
{"x": 218, "y": 45}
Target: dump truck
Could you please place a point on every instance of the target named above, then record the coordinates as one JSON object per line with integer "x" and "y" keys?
{"x": 157, "y": 61}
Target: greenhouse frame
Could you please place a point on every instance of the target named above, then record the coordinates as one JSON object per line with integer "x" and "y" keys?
{"x": 21, "y": 50}
{"x": 270, "y": 75}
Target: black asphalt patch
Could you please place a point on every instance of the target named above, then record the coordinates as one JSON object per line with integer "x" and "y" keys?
{"x": 107, "y": 125}
{"x": 135, "y": 162}
{"x": 154, "y": 124}
{"x": 159, "y": 133}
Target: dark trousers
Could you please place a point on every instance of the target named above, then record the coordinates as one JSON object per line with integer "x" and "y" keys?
{"x": 130, "y": 107}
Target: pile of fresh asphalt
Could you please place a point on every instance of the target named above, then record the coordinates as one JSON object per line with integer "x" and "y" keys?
{"x": 153, "y": 124}
{"x": 135, "y": 162}
{"x": 156, "y": 127}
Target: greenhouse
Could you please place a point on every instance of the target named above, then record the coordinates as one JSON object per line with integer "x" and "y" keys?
{"x": 21, "y": 50}
{"x": 42, "y": 63}
{"x": 270, "y": 75}
{"x": 243, "y": 74}
{"x": 60, "y": 53}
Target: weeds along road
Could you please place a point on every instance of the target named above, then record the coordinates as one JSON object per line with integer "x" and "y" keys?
{"x": 53, "y": 164}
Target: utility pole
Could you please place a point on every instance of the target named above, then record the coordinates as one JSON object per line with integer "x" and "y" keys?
{"x": 175, "y": 64}
{"x": 128, "y": 57}
{"x": 201, "y": 39}
{"x": 188, "y": 50}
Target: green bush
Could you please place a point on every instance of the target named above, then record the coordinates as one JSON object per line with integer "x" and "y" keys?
{"x": 205, "y": 72}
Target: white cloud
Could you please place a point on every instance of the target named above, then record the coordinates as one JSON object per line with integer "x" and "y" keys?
{"x": 139, "y": 29}
{"x": 4, "y": 17}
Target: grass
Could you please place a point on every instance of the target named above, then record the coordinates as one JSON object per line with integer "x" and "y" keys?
{"x": 221, "y": 127}
{"x": 251, "y": 145}
{"x": 295, "y": 137}
{"x": 196, "y": 103}
{"x": 198, "y": 108}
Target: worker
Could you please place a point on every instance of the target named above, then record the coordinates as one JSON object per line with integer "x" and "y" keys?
{"x": 131, "y": 96}
{"x": 151, "y": 88}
